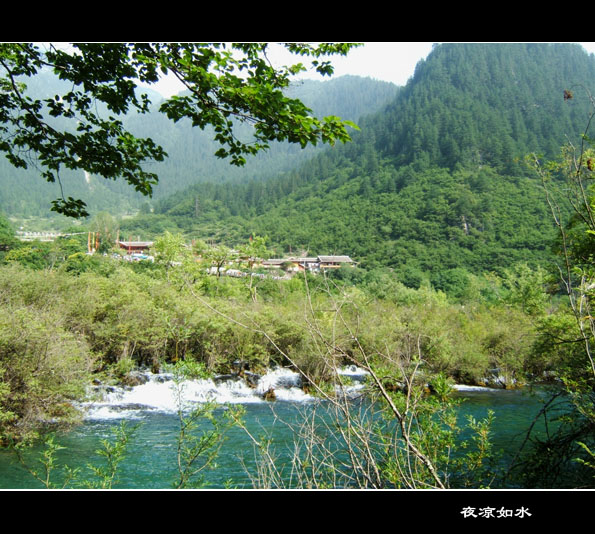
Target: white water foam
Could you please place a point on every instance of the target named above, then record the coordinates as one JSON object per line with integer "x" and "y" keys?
{"x": 462, "y": 387}
{"x": 285, "y": 383}
{"x": 357, "y": 376}
{"x": 354, "y": 371}
{"x": 160, "y": 393}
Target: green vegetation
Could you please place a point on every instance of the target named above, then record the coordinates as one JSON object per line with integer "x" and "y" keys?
{"x": 62, "y": 327}
{"x": 434, "y": 187}
{"x": 78, "y": 129}
{"x": 457, "y": 241}
{"x": 190, "y": 152}
{"x": 565, "y": 456}
{"x": 107, "y": 317}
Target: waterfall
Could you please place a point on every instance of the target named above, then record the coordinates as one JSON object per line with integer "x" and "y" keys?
{"x": 160, "y": 392}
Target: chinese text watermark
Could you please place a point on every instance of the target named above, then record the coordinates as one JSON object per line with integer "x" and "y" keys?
{"x": 492, "y": 512}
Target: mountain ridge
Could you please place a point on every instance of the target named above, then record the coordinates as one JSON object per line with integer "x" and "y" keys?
{"x": 191, "y": 150}
{"x": 432, "y": 186}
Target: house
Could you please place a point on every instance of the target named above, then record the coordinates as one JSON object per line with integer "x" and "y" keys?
{"x": 334, "y": 262}
{"x": 135, "y": 247}
{"x": 312, "y": 264}
{"x": 291, "y": 264}
{"x": 307, "y": 264}
{"x": 275, "y": 263}
{"x": 304, "y": 264}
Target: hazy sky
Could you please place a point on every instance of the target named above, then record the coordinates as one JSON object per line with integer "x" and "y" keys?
{"x": 393, "y": 62}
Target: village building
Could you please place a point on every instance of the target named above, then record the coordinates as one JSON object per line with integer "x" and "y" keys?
{"x": 275, "y": 263}
{"x": 334, "y": 262}
{"x": 135, "y": 247}
{"x": 136, "y": 250}
{"x": 312, "y": 264}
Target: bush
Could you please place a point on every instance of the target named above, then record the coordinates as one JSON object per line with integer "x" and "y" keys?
{"x": 44, "y": 368}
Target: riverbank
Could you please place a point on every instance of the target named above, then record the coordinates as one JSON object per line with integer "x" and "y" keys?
{"x": 102, "y": 321}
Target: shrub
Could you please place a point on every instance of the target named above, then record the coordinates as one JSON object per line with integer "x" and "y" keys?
{"x": 44, "y": 368}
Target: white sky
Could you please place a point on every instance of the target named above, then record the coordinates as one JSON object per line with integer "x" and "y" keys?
{"x": 392, "y": 61}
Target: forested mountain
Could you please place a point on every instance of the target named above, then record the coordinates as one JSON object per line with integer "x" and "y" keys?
{"x": 191, "y": 150}
{"x": 433, "y": 186}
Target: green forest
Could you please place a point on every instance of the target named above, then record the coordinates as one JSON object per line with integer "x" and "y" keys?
{"x": 465, "y": 199}
{"x": 431, "y": 187}
{"x": 190, "y": 152}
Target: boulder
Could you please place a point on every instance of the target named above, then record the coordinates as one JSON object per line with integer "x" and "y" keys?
{"x": 251, "y": 379}
{"x": 134, "y": 378}
{"x": 269, "y": 395}
{"x": 224, "y": 378}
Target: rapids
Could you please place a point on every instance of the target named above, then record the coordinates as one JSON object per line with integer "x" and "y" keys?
{"x": 160, "y": 392}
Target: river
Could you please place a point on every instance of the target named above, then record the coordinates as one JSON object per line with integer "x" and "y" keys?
{"x": 151, "y": 457}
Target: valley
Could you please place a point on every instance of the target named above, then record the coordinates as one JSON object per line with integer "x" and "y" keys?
{"x": 447, "y": 244}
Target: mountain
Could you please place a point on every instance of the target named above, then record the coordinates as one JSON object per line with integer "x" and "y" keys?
{"x": 433, "y": 186}
{"x": 191, "y": 150}
{"x": 24, "y": 193}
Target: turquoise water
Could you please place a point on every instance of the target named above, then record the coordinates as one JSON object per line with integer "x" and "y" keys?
{"x": 151, "y": 460}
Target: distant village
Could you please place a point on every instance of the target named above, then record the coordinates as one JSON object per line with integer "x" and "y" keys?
{"x": 140, "y": 250}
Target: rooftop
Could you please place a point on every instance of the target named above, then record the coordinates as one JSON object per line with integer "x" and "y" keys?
{"x": 335, "y": 259}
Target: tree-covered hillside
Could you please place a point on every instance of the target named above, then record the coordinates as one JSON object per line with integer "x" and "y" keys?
{"x": 190, "y": 150}
{"x": 24, "y": 193}
{"x": 434, "y": 186}
{"x": 487, "y": 104}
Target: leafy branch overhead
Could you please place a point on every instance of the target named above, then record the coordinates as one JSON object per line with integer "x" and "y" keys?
{"x": 225, "y": 83}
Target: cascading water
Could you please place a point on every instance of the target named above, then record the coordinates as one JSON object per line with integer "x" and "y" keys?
{"x": 162, "y": 393}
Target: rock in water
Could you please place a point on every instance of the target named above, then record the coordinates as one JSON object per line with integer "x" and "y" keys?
{"x": 269, "y": 395}
{"x": 251, "y": 379}
{"x": 134, "y": 378}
